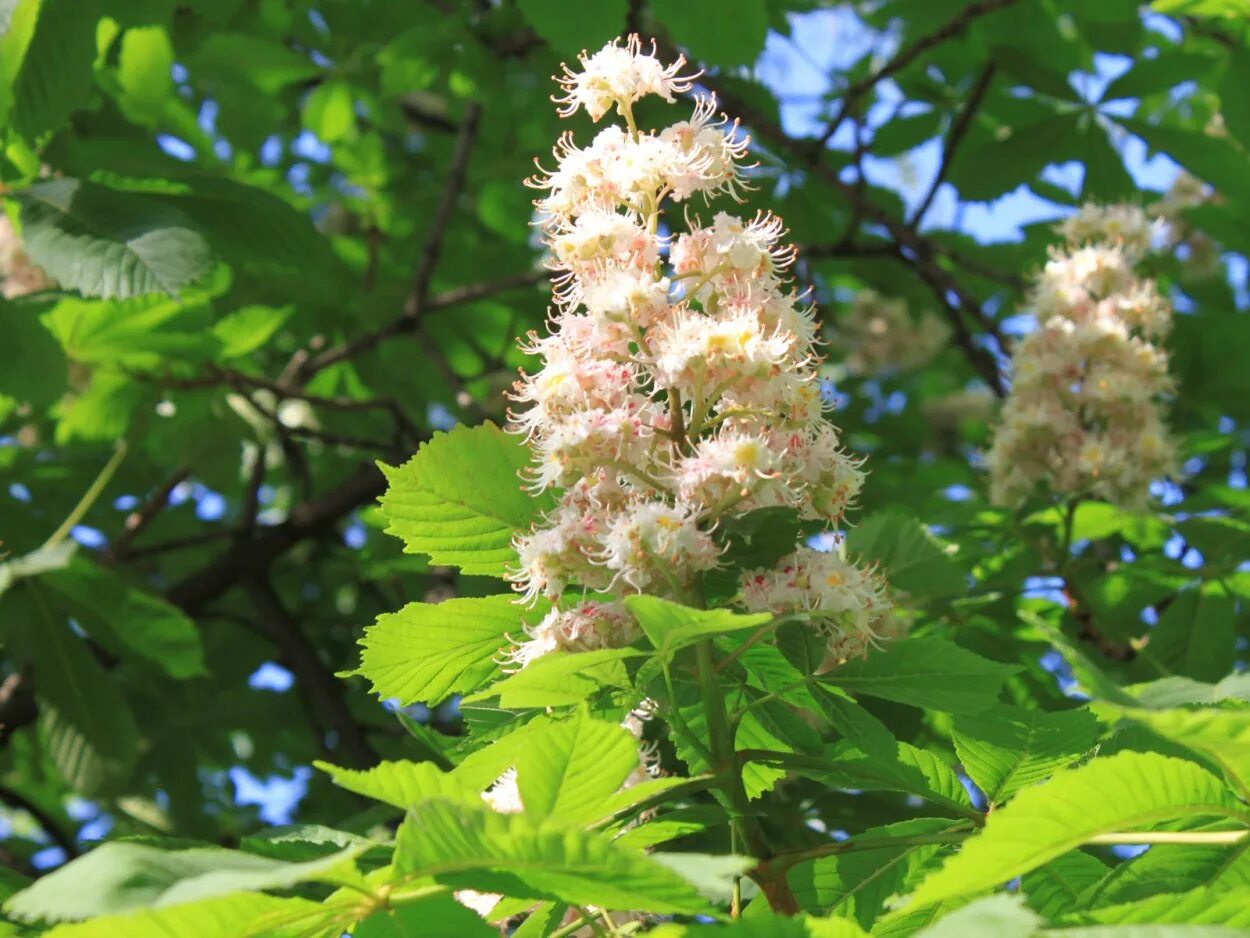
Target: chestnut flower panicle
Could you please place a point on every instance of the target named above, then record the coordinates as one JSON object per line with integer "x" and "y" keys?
{"x": 1085, "y": 413}
{"x": 678, "y": 383}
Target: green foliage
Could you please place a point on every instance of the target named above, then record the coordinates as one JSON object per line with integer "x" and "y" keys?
{"x": 460, "y": 499}
{"x": 286, "y": 257}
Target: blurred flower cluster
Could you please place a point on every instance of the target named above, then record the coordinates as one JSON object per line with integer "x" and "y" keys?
{"x": 878, "y": 336}
{"x": 18, "y": 276}
{"x": 1085, "y": 413}
{"x": 678, "y": 383}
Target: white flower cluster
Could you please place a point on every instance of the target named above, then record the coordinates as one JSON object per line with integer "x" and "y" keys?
{"x": 1200, "y": 253}
{"x": 1085, "y": 411}
{"x": 879, "y": 336}
{"x": 18, "y": 276}
{"x": 678, "y": 382}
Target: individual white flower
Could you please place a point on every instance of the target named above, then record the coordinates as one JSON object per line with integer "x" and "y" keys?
{"x": 619, "y": 75}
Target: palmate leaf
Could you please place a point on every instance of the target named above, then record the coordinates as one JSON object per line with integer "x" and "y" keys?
{"x": 1126, "y": 792}
{"x": 110, "y": 244}
{"x": 1008, "y": 748}
{"x": 427, "y": 651}
{"x": 124, "y": 877}
{"x": 516, "y": 856}
{"x": 460, "y": 499}
{"x": 925, "y": 672}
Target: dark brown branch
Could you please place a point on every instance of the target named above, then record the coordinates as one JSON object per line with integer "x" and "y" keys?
{"x": 953, "y": 140}
{"x": 416, "y": 303}
{"x": 309, "y": 518}
{"x": 138, "y": 520}
{"x": 50, "y": 826}
{"x": 904, "y": 57}
{"x": 321, "y": 690}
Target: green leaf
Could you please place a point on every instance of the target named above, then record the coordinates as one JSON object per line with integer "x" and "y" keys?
{"x": 991, "y": 917}
{"x": 987, "y": 170}
{"x": 402, "y": 783}
{"x": 125, "y": 877}
{"x": 571, "y": 28}
{"x": 439, "y": 916}
{"x": 1057, "y": 887}
{"x": 1194, "y": 637}
{"x": 1233, "y": 103}
{"x": 913, "y": 559}
{"x": 567, "y": 772}
{"x": 105, "y": 243}
{"x": 460, "y": 499}
{"x": 1105, "y": 176}
{"x": 1007, "y": 748}
{"x": 925, "y": 672}
{"x": 264, "y": 64}
{"x": 516, "y": 856}
{"x": 130, "y": 619}
{"x": 330, "y": 112}
{"x": 702, "y": 27}
{"x": 236, "y": 916}
{"x": 427, "y": 651}
{"x": 672, "y": 626}
{"x": 84, "y": 721}
{"x": 907, "y": 769}
{"x": 1202, "y": 906}
{"x": 248, "y": 328}
{"x": 144, "y": 72}
{"x": 859, "y": 883}
{"x": 1125, "y": 792}
{"x": 906, "y": 133}
{"x": 1221, "y": 736}
{"x": 34, "y": 368}
{"x": 1213, "y": 159}
{"x": 50, "y": 75}
{"x": 560, "y": 678}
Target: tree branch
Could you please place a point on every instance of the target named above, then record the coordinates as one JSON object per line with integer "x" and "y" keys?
{"x": 416, "y": 303}
{"x": 61, "y": 838}
{"x": 903, "y": 58}
{"x": 953, "y": 140}
{"x": 321, "y": 690}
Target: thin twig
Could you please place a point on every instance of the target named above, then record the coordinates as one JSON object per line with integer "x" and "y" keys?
{"x": 45, "y": 820}
{"x": 904, "y": 57}
{"x": 953, "y": 140}
{"x": 416, "y": 302}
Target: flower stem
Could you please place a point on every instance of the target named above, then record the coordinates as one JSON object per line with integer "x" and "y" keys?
{"x": 775, "y": 888}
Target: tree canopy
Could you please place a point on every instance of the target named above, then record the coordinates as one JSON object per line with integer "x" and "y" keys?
{"x": 268, "y": 268}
